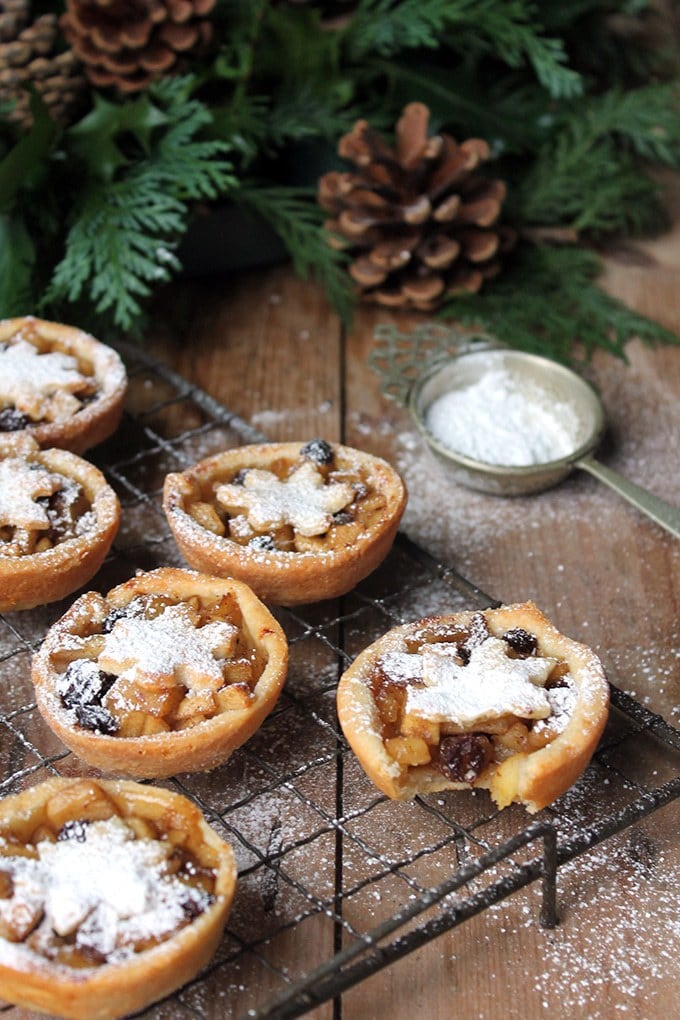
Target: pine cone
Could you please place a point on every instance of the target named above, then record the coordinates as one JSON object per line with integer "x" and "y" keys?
{"x": 29, "y": 56}
{"x": 13, "y": 18}
{"x": 128, "y": 43}
{"x": 420, "y": 223}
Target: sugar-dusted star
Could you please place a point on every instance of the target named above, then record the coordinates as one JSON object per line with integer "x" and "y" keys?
{"x": 303, "y": 500}
{"x": 169, "y": 650}
{"x": 490, "y": 686}
{"x": 27, "y": 374}
{"x": 21, "y": 484}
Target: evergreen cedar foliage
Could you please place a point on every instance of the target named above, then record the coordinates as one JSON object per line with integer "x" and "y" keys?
{"x": 577, "y": 100}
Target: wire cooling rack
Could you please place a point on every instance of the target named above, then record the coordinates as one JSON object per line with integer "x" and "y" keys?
{"x": 335, "y": 881}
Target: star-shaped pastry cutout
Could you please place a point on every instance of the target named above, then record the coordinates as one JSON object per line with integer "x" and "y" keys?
{"x": 21, "y": 484}
{"x": 169, "y": 650}
{"x": 490, "y": 686}
{"x": 25, "y": 372}
{"x": 303, "y": 500}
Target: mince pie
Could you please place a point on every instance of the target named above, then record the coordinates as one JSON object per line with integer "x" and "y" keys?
{"x": 58, "y": 384}
{"x": 58, "y": 518}
{"x": 298, "y": 523}
{"x": 497, "y": 699}
{"x": 169, "y": 672}
{"x": 112, "y": 895}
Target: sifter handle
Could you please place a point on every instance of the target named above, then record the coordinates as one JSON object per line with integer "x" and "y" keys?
{"x": 663, "y": 513}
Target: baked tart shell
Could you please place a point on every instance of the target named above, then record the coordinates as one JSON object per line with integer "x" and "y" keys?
{"x": 44, "y": 577}
{"x": 283, "y": 578}
{"x": 199, "y": 748}
{"x": 118, "y": 989}
{"x": 97, "y": 420}
{"x": 535, "y": 778}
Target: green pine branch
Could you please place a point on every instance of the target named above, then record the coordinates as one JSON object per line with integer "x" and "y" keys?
{"x": 128, "y": 220}
{"x": 547, "y": 301}
{"x": 506, "y": 28}
{"x": 120, "y": 245}
{"x": 590, "y": 174}
{"x": 386, "y": 27}
{"x": 247, "y": 125}
{"x": 297, "y": 220}
{"x": 589, "y": 187}
{"x": 309, "y": 111}
{"x": 646, "y": 120}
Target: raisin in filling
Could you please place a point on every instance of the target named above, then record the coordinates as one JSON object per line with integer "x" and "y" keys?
{"x": 319, "y": 451}
{"x": 521, "y": 641}
{"x": 66, "y": 510}
{"x": 82, "y": 688}
{"x": 462, "y": 757}
{"x": 12, "y": 420}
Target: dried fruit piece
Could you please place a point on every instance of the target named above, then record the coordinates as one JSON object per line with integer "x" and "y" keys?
{"x": 97, "y": 718}
{"x": 464, "y": 756}
{"x": 521, "y": 641}
{"x": 319, "y": 451}
{"x": 83, "y": 683}
{"x": 12, "y": 420}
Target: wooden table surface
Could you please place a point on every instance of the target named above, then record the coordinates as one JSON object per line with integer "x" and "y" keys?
{"x": 267, "y": 345}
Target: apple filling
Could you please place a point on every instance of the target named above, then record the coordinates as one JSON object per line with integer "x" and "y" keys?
{"x": 156, "y": 664}
{"x": 83, "y": 884}
{"x": 307, "y": 504}
{"x": 39, "y": 508}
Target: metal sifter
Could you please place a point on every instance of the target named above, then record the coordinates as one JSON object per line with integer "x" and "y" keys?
{"x": 475, "y": 356}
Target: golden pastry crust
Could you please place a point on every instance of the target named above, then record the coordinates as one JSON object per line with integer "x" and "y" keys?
{"x": 76, "y": 405}
{"x": 302, "y": 556}
{"x": 34, "y": 972}
{"x": 528, "y": 760}
{"x": 134, "y": 684}
{"x": 47, "y": 552}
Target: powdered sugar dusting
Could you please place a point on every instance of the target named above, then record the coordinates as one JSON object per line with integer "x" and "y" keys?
{"x": 169, "y": 648}
{"x": 614, "y": 952}
{"x": 402, "y": 667}
{"x": 302, "y": 499}
{"x": 504, "y": 418}
{"x": 562, "y": 703}
{"x": 21, "y": 485}
{"x": 104, "y": 887}
{"x": 27, "y": 374}
{"x": 490, "y": 686}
